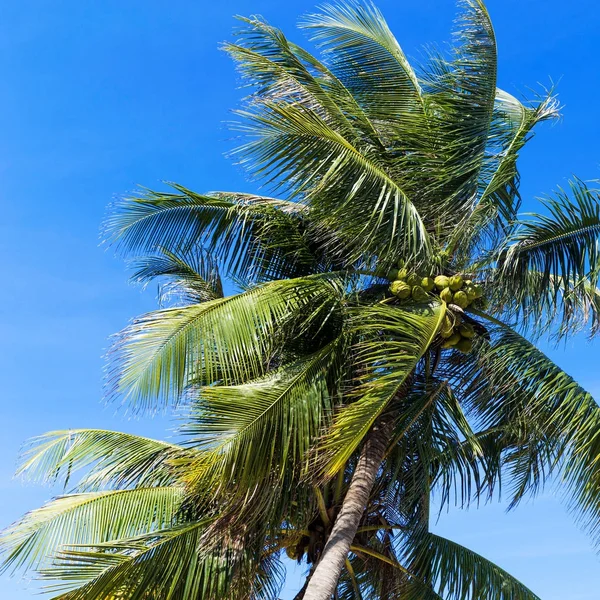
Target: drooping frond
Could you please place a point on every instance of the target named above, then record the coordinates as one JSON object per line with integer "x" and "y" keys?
{"x": 189, "y": 276}
{"x": 549, "y": 425}
{"x": 551, "y": 262}
{"x": 266, "y": 426}
{"x": 349, "y": 191}
{"x": 112, "y": 459}
{"x": 563, "y": 245}
{"x": 88, "y": 519}
{"x": 461, "y": 574}
{"x": 391, "y": 341}
{"x": 227, "y": 340}
{"x": 499, "y": 199}
{"x": 169, "y": 564}
{"x": 252, "y": 237}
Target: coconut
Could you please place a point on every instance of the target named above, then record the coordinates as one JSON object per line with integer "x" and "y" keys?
{"x": 291, "y": 553}
{"x": 470, "y": 292}
{"x": 456, "y": 282}
{"x": 464, "y": 345}
{"x": 452, "y": 341}
{"x": 441, "y": 282}
{"x": 447, "y": 328}
{"x": 461, "y": 299}
{"x": 466, "y": 330}
{"x": 427, "y": 283}
{"x": 413, "y": 279}
{"x": 478, "y": 290}
{"x": 446, "y": 295}
{"x": 419, "y": 294}
{"x": 402, "y": 274}
{"x": 393, "y": 274}
{"x": 400, "y": 289}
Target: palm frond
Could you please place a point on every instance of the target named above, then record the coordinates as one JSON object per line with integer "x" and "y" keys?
{"x": 266, "y": 426}
{"x": 113, "y": 459}
{"x": 499, "y": 199}
{"x": 171, "y": 564}
{"x": 89, "y": 519}
{"x": 227, "y": 340}
{"x": 460, "y": 574}
{"x": 460, "y": 92}
{"x": 391, "y": 341}
{"x": 248, "y": 234}
{"x": 191, "y": 275}
{"x": 563, "y": 246}
{"x": 551, "y": 424}
{"x": 347, "y": 189}
{"x": 279, "y": 69}
{"x": 364, "y": 54}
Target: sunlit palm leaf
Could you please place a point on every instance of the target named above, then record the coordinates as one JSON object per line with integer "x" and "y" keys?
{"x": 563, "y": 246}
{"x": 391, "y": 343}
{"x": 114, "y": 459}
{"x": 226, "y": 340}
{"x": 245, "y": 232}
{"x": 266, "y": 426}
{"x": 460, "y": 574}
{"x": 88, "y": 519}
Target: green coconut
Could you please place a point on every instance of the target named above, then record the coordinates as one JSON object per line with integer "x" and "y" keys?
{"x": 400, "y": 289}
{"x": 441, "y": 282}
{"x": 427, "y": 283}
{"x": 456, "y": 282}
{"x": 447, "y": 328}
{"x": 291, "y": 553}
{"x": 446, "y": 295}
{"x": 461, "y": 299}
{"x": 402, "y": 274}
{"x": 464, "y": 345}
{"x": 452, "y": 341}
{"x": 393, "y": 274}
{"x": 419, "y": 294}
{"x": 466, "y": 330}
{"x": 478, "y": 290}
{"x": 413, "y": 279}
{"x": 470, "y": 292}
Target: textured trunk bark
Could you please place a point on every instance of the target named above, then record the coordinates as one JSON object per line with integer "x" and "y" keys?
{"x": 323, "y": 583}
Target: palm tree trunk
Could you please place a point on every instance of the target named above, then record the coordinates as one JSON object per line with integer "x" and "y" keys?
{"x": 323, "y": 583}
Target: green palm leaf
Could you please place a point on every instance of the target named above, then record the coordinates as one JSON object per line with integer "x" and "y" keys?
{"x": 114, "y": 459}
{"x": 391, "y": 341}
{"x": 191, "y": 275}
{"x": 268, "y": 425}
{"x": 562, "y": 246}
{"x": 88, "y": 519}
{"x": 169, "y": 564}
{"x": 499, "y": 199}
{"x": 348, "y": 190}
{"x": 367, "y": 58}
{"x": 461, "y": 574}
{"x": 226, "y": 340}
{"x": 244, "y": 231}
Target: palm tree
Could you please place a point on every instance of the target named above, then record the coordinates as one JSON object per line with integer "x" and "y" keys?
{"x": 380, "y": 346}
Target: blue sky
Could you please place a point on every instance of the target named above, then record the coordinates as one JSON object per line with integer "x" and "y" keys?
{"x": 98, "y": 97}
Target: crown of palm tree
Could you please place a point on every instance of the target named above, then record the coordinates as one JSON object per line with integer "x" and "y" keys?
{"x": 385, "y": 170}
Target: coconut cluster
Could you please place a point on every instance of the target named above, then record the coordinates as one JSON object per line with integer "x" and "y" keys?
{"x": 456, "y": 332}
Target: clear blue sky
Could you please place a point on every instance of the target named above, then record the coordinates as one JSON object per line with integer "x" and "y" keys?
{"x": 100, "y": 96}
